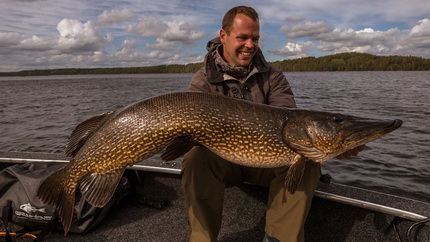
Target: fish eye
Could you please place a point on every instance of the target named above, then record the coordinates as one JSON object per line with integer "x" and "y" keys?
{"x": 338, "y": 119}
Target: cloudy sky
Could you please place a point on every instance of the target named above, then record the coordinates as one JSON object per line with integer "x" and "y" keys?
{"x": 48, "y": 34}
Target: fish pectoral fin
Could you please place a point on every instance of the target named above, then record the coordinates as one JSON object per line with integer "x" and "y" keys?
{"x": 177, "y": 148}
{"x": 295, "y": 174}
{"x": 83, "y": 132}
{"x": 98, "y": 189}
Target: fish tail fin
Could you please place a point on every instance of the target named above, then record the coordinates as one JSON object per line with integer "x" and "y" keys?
{"x": 54, "y": 191}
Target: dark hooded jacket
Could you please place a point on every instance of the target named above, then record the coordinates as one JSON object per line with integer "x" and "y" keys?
{"x": 263, "y": 84}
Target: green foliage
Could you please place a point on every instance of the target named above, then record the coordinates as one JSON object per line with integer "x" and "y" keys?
{"x": 189, "y": 68}
{"x": 355, "y": 62}
{"x": 337, "y": 62}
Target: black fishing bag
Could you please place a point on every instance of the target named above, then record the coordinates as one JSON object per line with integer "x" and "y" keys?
{"x": 21, "y": 209}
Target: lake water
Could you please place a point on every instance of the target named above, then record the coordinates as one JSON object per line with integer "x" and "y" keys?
{"x": 37, "y": 114}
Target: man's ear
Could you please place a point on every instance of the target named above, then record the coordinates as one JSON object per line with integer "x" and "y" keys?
{"x": 222, "y": 35}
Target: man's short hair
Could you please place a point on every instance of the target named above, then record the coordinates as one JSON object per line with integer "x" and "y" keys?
{"x": 227, "y": 21}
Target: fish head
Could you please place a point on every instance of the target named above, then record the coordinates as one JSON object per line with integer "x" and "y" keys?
{"x": 320, "y": 136}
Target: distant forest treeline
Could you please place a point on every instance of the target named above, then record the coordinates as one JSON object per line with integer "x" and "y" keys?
{"x": 355, "y": 62}
{"x": 189, "y": 68}
{"x": 336, "y": 62}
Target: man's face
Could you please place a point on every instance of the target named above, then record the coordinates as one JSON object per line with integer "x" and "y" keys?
{"x": 242, "y": 43}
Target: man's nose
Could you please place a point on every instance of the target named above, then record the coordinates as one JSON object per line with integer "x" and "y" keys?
{"x": 249, "y": 43}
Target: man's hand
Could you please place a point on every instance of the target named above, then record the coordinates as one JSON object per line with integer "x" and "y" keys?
{"x": 351, "y": 152}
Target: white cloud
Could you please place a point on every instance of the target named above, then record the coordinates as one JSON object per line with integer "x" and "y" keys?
{"x": 415, "y": 41}
{"x": 8, "y": 40}
{"x": 56, "y": 34}
{"x": 345, "y": 13}
{"x": 36, "y": 44}
{"x": 161, "y": 44}
{"x": 128, "y": 47}
{"x": 366, "y": 40}
{"x": 75, "y": 35}
{"x": 150, "y": 26}
{"x": 308, "y": 29}
{"x": 115, "y": 16}
{"x": 167, "y": 32}
{"x": 422, "y": 29}
{"x": 74, "y": 43}
{"x": 29, "y": 0}
{"x": 419, "y": 35}
{"x": 182, "y": 31}
{"x": 294, "y": 50}
{"x": 72, "y": 36}
{"x": 294, "y": 19}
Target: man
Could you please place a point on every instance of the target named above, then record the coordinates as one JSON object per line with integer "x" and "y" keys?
{"x": 235, "y": 66}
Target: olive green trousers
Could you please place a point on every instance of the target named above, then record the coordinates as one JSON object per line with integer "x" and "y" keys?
{"x": 205, "y": 177}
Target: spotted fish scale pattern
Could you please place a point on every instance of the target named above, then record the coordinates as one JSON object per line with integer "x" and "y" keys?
{"x": 242, "y": 132}
{"x": 246, "y": 133}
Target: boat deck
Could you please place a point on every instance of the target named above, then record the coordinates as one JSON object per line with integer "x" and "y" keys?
{"x": 338, "y": 213}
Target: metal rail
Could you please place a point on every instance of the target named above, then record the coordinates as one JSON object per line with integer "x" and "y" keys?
{"x": 134, "y": 167}
{"x": 329, "y": 196}
{"x": 371, "y": 206}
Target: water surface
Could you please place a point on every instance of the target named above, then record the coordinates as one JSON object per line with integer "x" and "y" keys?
{"x": 37, "y": 114}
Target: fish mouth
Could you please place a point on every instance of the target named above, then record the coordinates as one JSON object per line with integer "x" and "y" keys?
{"x": 396, "y": 124}
{"x": 363, "y": 131}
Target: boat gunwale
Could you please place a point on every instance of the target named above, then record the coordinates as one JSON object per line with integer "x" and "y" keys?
{"x": 331, "y": 191}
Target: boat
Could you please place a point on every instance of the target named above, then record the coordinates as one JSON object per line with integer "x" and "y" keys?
{"x": 338, "y": 213}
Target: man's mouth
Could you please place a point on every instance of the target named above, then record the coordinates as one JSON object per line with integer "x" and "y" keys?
{"x": 245, "y": 53}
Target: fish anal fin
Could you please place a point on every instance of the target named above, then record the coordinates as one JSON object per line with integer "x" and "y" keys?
{"x": 177, "y": 148}
{"x": 83, "y": 132}
{"x": 98, "y": 189}
{"x": 295, "y": 174}
{"x": 54, "y": 192}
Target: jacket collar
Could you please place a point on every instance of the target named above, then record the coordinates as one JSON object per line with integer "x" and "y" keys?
{"x": 259, "y": 62}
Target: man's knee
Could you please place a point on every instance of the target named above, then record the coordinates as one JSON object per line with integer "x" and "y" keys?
{"x": 197, "y": 158}
{"x": 201, "y": 164}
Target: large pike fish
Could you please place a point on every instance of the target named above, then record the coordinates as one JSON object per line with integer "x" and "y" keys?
{"x": 242, "y": 132}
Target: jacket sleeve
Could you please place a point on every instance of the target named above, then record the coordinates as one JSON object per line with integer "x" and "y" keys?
{"x": 280, "y": 93}
{"x": 199, "y": 82}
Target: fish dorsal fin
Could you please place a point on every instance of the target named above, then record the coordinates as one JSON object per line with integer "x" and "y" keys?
{"x": 98, "y": 189}
{"x": 177, "y": 148}
{"x": 295, "y": 174}
{"x": 83, "y": 132}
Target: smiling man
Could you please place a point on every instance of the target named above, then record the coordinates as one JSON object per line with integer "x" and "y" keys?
{"x": 235, "y": 67}
{"x": 240, "y": 35}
